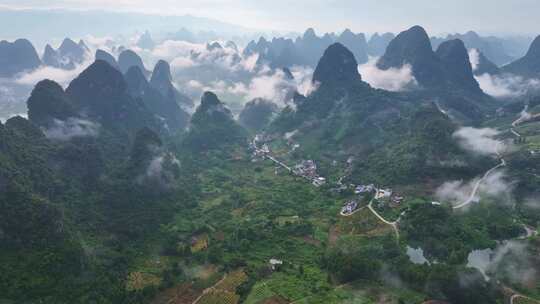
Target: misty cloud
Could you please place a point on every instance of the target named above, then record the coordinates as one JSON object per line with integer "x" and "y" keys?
{"x": 63, "y": 77}
{"x": 474, "y": 58}
{"x": 303, "y": 77}
{"x": 391, "y": 80}
{"x": 103, "y": 42}
{"x": 172, "y": 49}
{"x": 480, "y": 141}
{"x": 274, "y": 86}
{"x": 532, "y": 203}
{"x": 70, "y": 128}
{"x": 416, "y": 256}
{"x": 511, "y": 259}
{"x": 496, "y": 185}
{"x": 183, "y": 54}
{"x": 455, "y": 191}
{"x": 507, "y": 85}
{"x": 162, "y": 170}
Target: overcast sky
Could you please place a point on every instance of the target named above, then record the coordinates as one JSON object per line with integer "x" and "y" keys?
{"x": 438, "y": 16}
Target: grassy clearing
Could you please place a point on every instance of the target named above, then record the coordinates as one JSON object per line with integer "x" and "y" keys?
{"x": 141, "y": 280}
{"x": 232, "y": 281}
{"x": 224, "y": 292}
{"x": 219, "y": 297}
{"x": 200, "y": 244}
{"x": 362, "y": 222}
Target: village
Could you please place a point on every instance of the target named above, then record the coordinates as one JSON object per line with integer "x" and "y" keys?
{"x": 307, "y": 169}
{"x": 380, "y": 197}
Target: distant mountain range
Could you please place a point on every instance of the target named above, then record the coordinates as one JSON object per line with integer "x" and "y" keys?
{"x": 448, "y": 66}
{"x": 21, "y": 56}
{"x": 42, "y": 25}
{"x": 529, "y": 65}
{"x": 17, "y": 56}
{"x": 67, "y": 56}
{"x": 306, "y": 50}
{"x": 492, "y": 47}
{"x": 161, "y": 79}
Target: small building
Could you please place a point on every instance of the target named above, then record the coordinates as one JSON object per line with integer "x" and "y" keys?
{"x": 435, "y": 203}
{"x": 275, "y": 263}
{"x": 306, "y": 168}
{"x": 364, "y": 189}
{"x": 350, "y": 207}
{"x": 319, "y": 181}
{"x": 397, "y": 200}
{"x": 383, "y": 193}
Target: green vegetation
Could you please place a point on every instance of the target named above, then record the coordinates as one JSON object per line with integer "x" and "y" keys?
{"x": 135, "y": 214}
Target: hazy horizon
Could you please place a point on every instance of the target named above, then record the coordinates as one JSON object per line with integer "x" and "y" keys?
{"x": 369, "y": 16}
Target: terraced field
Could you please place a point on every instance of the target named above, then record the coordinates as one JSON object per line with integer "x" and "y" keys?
{"x": 224, "y": 292}
{"x": 232, "y": 281}
{"x": 219, "y": 297}
{"x": 361, "y": 223}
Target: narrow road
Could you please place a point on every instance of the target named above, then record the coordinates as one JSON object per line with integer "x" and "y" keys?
{"x": 516, "y": 296}
{"x": 350, "y": 214}
{"x": 515, "y": 133}
{"x": 393, "y": 224}
{"x": 476, "y": 187}
{"x": 254, "y": 143}
{"x": 278, "y": 162}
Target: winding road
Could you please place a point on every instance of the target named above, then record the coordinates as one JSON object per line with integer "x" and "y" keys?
{"x": 393, "y": 224}
{"x": 516, "y": 296}
{"x": 477, "y": 185}
{"x": 468, "y": 201}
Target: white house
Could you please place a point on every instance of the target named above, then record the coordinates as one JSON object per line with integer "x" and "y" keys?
{"x": 383, "y": 193}
{"x": 275, "y": 263}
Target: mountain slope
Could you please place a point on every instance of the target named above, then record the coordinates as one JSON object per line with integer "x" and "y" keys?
{"x": 456, "y": 62}
{"x": 100, "y": 92}
{"x": 337, "y": 66}
{"x": 165, "y": 108}
{"x": 129, "y": 58}
{"x": 68, "y": 55}
{"x": 213, "y": 127}
{"x": 17, "y": 57}
{"x": 103, "y": 55}
{"x": 305, "y": 50}
{"x": 413, "y": 47}
{"x": 491, "y": 47}
{"x": 388, "y": 132}
{"x": 161, "y": 80}
{"x": 378, "y": 43}
{"x": 48, "y": 102}
{"x": 257, "y": 114}
{"x": 481, "y": 64}
{"x": 529, "y": 65}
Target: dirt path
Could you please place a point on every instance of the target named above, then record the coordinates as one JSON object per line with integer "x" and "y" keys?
{"x": 393, "y": 224}
{"x": 209, "y": 289}
{"x": 516, "y": 296}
